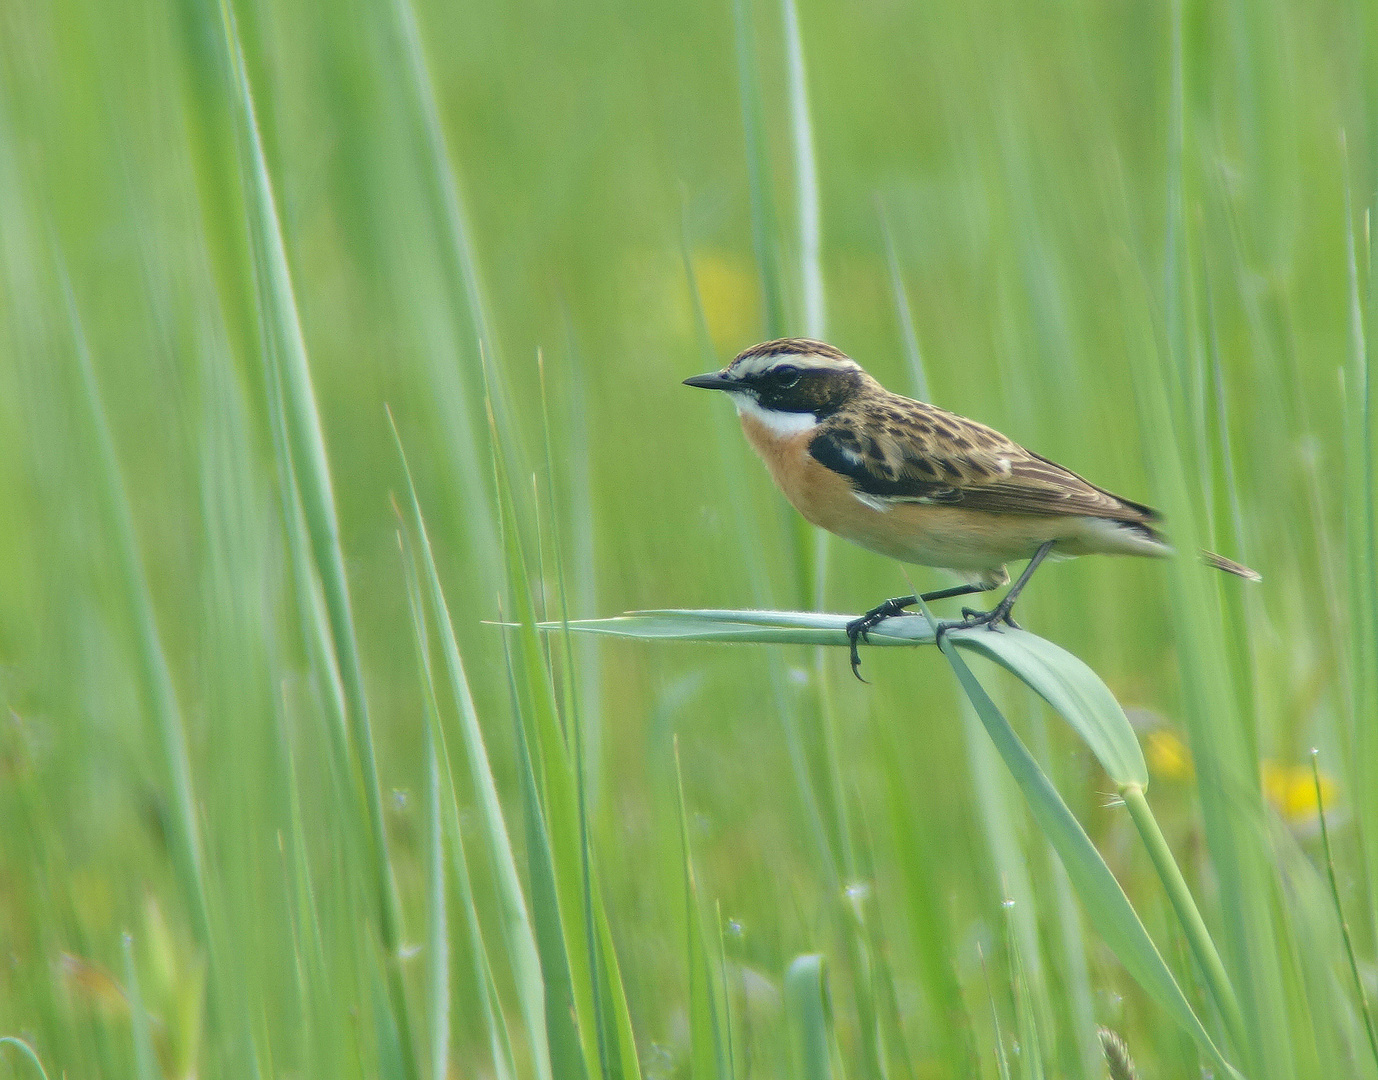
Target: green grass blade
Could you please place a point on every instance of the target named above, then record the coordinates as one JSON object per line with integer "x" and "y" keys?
{"x": 604, "y": 1024}
{"x": 1224, "y": 733}
{"x": 145, "y": 1060}
{"x": 725, "y": 995}
{"x": 1061, "y": 679}
{"x": 1025, "y": 1014}
{"x": 1198, "y": 937}
{"x": 459, "y": 383}
{"x": 518, "y": 930}
{"x": 998, "y": 811}
{"x": 810, "y": 1012}
{"x": 1002, "y": 1062}
{"x": 805, "y": 179}
{"x": 578, "y": 468}
{"x": 570, "y": 922}
{"x": 806, "y": 544}
{"x": 499, "y": 1036}
{"x": 288, "y": 364}
{"x": 1105, "y": 902}
{"x": 567, "y": 1048}
{"x": 1079, "y": 1054}
{"x": 764, "y": 627}
{"x": 1074, "y": 691}
{"x": 559, "y": 912}
{"x": 1071, "y": 1025}
{"x": 154, "y": 669}
{"x": 1361, "y": 536}
{"x": 909, "y": 336}
{"x": 554, "y": 792}
{"x": 444, "y": 835}
{"x": 452, "y": 838}
{"x": 437, "y": 914}
{"x": 443, "y": 188}
{"x": 321, "y": 1031}
{"x": 707, "y": 1051}
{"x": 928, "y": 914}
{"x": 758, "y": 172}
{"x": 1360, "y": 994}
{"x": 207, "y": 84}
{"x": 871, "y": 951}
{"x": 623, "y": 1062}
{"x": 27, "y": 1051}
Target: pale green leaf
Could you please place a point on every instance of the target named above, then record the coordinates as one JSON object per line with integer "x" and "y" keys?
{"x": 810, "y": 1011}
{"x": 1061, "y": 679}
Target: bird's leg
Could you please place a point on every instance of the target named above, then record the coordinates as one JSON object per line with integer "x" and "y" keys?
{"x": 992, "y": 619}
{"x": 857, "y": 628}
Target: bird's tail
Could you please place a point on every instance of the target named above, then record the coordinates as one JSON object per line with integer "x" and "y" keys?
{"x": 1210, "y": 558}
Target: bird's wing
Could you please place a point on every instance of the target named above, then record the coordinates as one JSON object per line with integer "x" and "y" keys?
{"x": 902, "y": 451}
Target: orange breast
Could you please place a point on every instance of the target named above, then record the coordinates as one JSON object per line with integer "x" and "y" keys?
{"x": 816, "y": 492}
{"x": 945, "y": 536}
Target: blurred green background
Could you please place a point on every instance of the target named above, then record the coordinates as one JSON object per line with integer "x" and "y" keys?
{"x": 1133, "y": 236}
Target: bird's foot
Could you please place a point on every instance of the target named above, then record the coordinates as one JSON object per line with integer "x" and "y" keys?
{"x": 857, "y": 628}
{"x": 991, "y": 619}
{"x": 997, "y": 618}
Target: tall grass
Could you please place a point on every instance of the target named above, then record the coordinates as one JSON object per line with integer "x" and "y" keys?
{"x": 291, "y": 779}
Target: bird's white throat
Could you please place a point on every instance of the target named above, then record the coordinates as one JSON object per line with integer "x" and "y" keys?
{"x": 779, "y": 423}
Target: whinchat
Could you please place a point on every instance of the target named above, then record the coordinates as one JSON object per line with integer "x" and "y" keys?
{"x": 920, "y": 484}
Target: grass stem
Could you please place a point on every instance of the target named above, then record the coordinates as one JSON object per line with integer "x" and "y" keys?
{"x": 1199, "y": 938}
{"x": 1339, "y": 910}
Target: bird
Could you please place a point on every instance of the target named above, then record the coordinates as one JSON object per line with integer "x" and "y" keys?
{"x": 920, "y": 484}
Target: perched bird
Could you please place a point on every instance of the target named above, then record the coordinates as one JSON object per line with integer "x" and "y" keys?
{"x": 920, "y": 484}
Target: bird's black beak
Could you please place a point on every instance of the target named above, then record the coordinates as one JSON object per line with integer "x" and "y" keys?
{"x": 711, "y": 381}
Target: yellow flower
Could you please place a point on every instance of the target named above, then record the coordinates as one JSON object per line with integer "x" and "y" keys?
{"x": 1168, "y": 756}
{"x": 1292, "y": 790}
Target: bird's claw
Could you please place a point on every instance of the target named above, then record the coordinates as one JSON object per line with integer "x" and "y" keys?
{"x": 856, "y": 631}
{"x": 857, "y": 628}
{"x": 856, "y": 666}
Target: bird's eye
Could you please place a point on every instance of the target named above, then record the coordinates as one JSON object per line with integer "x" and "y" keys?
{"x": 788, "y": 377}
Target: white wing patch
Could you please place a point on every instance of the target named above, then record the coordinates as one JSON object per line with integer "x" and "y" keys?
{"x": 884, "y": 503}
{"x": 875, "y": 502}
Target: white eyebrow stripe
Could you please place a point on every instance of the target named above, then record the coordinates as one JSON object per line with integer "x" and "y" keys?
{"x": 755, "y": 365}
